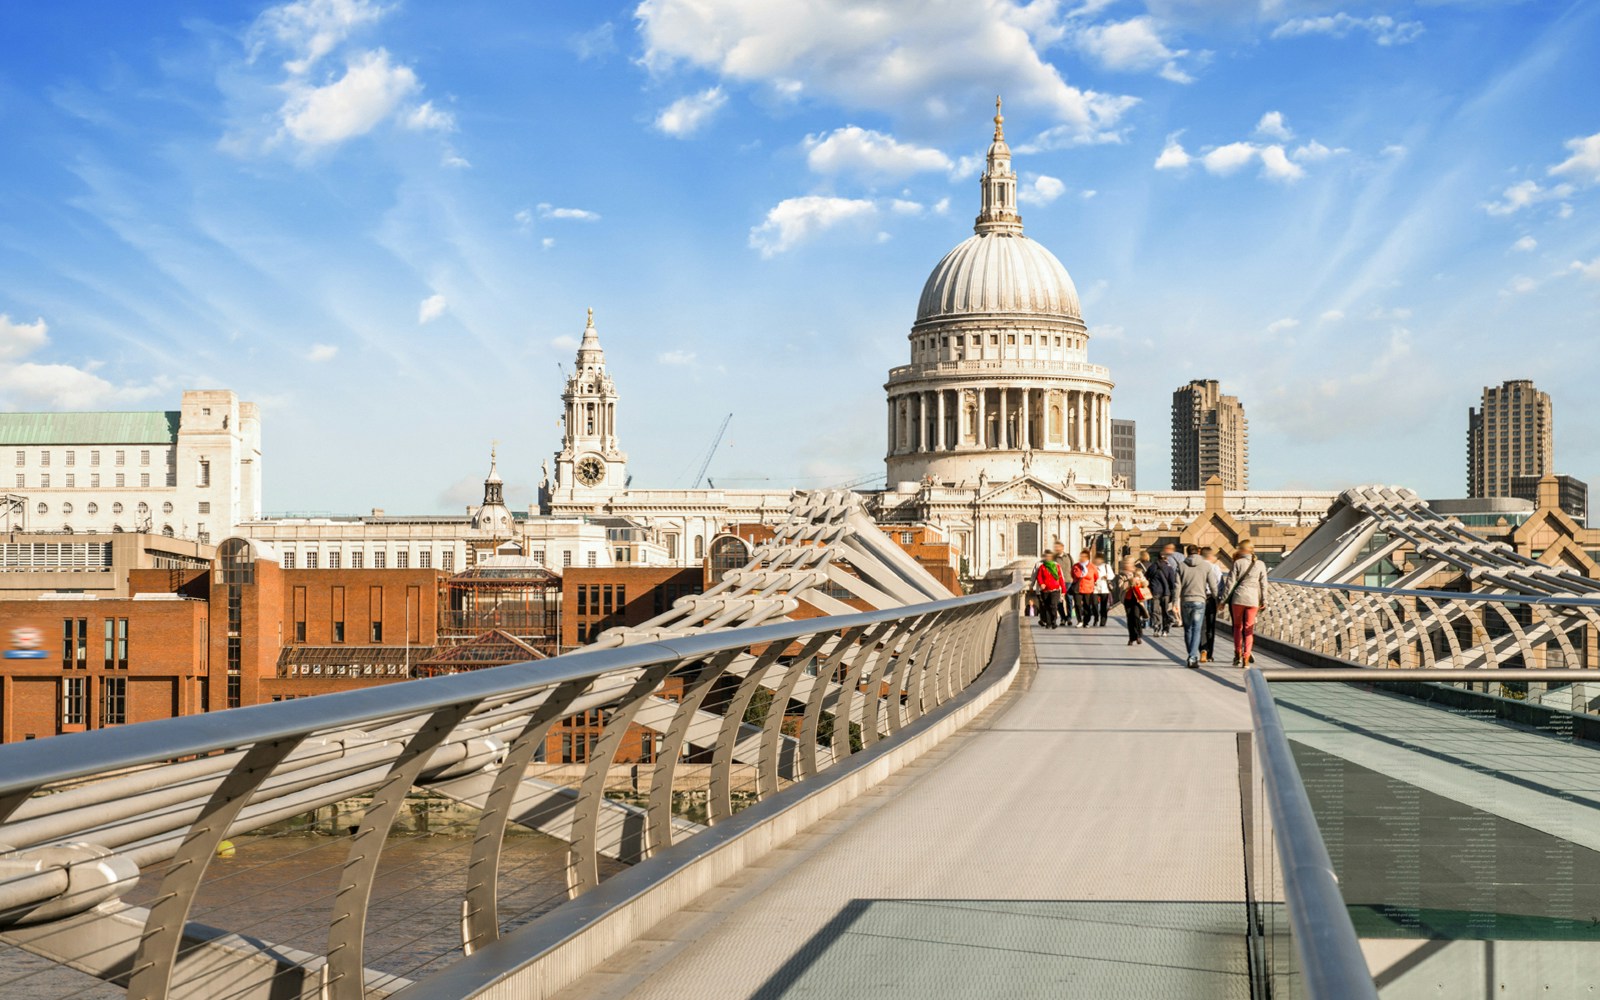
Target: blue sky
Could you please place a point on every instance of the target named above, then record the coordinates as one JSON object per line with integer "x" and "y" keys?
{"x": 384, "y": 221}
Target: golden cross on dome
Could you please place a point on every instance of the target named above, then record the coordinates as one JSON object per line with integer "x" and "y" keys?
{"x": 591, "y": 315}
{"x": 999, "y": 120}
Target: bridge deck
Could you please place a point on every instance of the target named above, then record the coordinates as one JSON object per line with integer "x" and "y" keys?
{"x": 1080, "y": 839}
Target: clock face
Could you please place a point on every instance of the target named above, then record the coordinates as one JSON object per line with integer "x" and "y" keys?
{"x": 591, "y": 471}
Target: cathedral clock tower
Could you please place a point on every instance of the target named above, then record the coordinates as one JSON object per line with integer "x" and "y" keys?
{"x": 589, "y": 462}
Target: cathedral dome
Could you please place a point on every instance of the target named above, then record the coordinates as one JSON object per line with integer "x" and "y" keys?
{"x": 993, "y": 272}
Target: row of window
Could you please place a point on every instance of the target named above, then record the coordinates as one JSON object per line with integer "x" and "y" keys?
{"x": 75, "y": 701}
{"x": 380, "y": 560}
{"x": 120, "y": 457}
{"x": 116, "y": 508}
{"x": 120, "y": 481}
{"x": 75, "y": 644}
{"x": 976, "y": 340}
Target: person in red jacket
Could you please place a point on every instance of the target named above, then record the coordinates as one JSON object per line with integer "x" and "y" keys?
{"x": 1051, "y": 585}
{"x": 1084, "y": 575}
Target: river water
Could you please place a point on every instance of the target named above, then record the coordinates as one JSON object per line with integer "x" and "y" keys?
{"x": 280, "y": 888}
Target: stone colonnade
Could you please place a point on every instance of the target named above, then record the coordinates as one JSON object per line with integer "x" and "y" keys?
{"x": 1003, "y": 418}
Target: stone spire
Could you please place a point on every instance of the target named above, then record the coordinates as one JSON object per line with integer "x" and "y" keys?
{"x": 493, "y": 487}
{"x": 999, "y": 213}
{"x": 590, "y": 354}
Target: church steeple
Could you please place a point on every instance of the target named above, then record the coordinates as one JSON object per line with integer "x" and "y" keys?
{"x": 590, "y": 457}
{"x": 590, "y": 353}
{"x": 493, "y": 487}
{"x": 999, "y": 212}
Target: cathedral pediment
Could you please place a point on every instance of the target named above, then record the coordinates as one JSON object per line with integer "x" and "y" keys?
{"x": 1027, "y": 490}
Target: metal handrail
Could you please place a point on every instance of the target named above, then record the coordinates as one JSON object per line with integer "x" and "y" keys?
{"x": 1450, "y": 595}
{"x": 31, "y": 764}
{"x": 1332, "y": 965}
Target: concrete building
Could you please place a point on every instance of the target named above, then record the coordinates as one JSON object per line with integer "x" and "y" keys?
{"x": 999, "y": 383}
{"x": 1124, "y": 453}
{"x": 1511, "y": 434}
{"x": 93, "y": 565}
{"x": 1210, "y": 437}
{"x": 1572, "y": 495}
{"x": 193, "y": 472}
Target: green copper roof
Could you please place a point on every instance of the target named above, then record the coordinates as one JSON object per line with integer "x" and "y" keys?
{"x": 144, "y": 427}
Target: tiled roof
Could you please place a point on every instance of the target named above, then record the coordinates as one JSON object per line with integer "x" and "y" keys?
{"x": 140, "y": 427}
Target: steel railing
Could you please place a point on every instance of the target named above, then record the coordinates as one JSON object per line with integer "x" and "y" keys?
{"x": 162, "y": 797}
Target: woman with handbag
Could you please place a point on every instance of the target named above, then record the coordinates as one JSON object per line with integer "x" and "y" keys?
{"x": 1135, "y": 591}
{"x": 1247, "y": 595}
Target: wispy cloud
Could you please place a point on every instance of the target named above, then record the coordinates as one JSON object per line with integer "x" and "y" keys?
{"x": 431, "y": 308}
{"x": 794, "y": 221}
{"x": 322, "y": 352}
{"x": 549, "y": 211}
{"x": 866, "y": 152}
{"x": 1382, "y": 28}
{"x": 689, "y": 114}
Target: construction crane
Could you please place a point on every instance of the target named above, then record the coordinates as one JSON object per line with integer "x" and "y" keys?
{"x": 711, "y": 452}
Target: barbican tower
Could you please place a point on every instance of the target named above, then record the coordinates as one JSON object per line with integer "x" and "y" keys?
{"x": 999, "y": 385}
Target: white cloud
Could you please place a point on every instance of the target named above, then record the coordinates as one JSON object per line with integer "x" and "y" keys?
{"x": 795, "y": 220}
{"x": 1315, "y": 152}
{"x": 688, "y": 115}
{"x": 1086, "y": 195}
{"x": 1384, "y": 29}
{"x": 431, "y": 308}
{"x": 595, "y": 43}
{"x": 1525, "y": 244}
{"x": 1282, "y": 325}
{"x": 1394, "y": 149}
{"x": 53, "y": 386}
{"x": 1277, "y": 166}
{"x": 1332, "y": 316}
{"x": 524, "y": 219}
{"x": 1583, "y": 165}
{"x": 455, "y": 160}
{"x": 548, "y": 242}
{"x": 549, "y": 211}
{"x": 1273, "y": 126}
{"x": 679, "y": 357}
{"x": 1565, "y": 211}
{"x": 322, "y": 352}
{"x": 863, "y": 151}
{"x": 1134, "y": 45}
{"x": 902, "y": 57}
{"x": 901, "y": 206}
{"x": 1523, "y": 194}
{"x": 1173, "y": 155}
{"x": 1521, "y": 285}
{"x": 312, "y": 28}
{"x": 1225, "y": 160}
{"x": 368, "y": 92}
{"x": 19, "y": 339}
{"x": 1040, "y": 190}
{"x": 565, "y": 342}
{"x": 941, "y": 206}
{"x": 1106, "y": 331}
{"x": 427, "y": 117}
{"x": 1590, "y": 270}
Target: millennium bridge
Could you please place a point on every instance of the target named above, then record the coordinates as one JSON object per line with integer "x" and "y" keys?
{"x": 926, "y": 798}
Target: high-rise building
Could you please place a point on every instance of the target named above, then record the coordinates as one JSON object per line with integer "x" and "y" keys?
{"x": 1210, "y": 437}
{"x": 1571, "y": 495}
{"x": 1124, "y": 442}
{"x": 1510, "y": 435}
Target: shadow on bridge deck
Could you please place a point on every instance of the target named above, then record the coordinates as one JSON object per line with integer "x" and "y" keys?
{"x": 1082, "y": 838}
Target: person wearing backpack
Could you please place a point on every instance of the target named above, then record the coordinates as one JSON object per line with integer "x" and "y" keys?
{"x": 1051, "y": 585}
{"x": 1135, "y": 591}
{"x": 1247, "y": 595}
{"x": 1084, "y": 576}
{"x": 1163, "y": 590}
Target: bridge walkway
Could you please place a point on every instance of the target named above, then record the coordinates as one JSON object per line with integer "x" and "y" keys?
{"x": 1081, "y": 838}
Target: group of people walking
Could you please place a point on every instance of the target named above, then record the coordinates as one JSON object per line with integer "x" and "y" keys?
{"x": 1080, "y": 591}
{"x": 1166, "y": 589}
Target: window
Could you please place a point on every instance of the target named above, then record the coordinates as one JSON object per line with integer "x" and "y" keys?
{"x": 205, "y": 472}
{"x": 72, "y": 700}
{"x": 122, "y": 458}
{"x": 205, "y": 506}
{"x": 74, "y": 643}
{"x": 402, "y": 559}
{"x": 425, "y": 559}
{"x": 22, "y": 480}
{"x": 122, "y": 480}
{"x": 72, "y": 457}
{"x": 538, "y": 556}
{"x": 448, "y": 560}
{"x": 144, "y": 457}
{"x": 122, "y": 643}
{"x": 333, "y": 559}
{"x": 44, "y": 459}
{"x": 94, "y": 480}
{"x": 377, "y": 631}
{"x": 71, "y": 480}
{"x": 380, "y": 559}
{"x": 311, "y": 560}
{"x": 113, "y": 701}
{"x": 144, "y": 480}
{"x": 288, "y": 560}
{"x": 43, "y": 508}
{"x": 22, "y": 457}
{"x": 93, "y": 507}
{"x": 356, "y": 559}
{"x": 594, "y": 559}
{"x": 44, "y": 481}
{"x": 338, "y": 631}
{"x": 166, "y": 508}
{"x": 566, "y": 557}
{"x": 299, "y": 631}
{"x": 94, "y": 458}
{"x": 66, "y": 508}
{"x": 143, "y": 508}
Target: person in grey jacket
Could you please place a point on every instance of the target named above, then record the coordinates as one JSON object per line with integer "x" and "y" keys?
{"x": 1247, "y": 596}
{"x": 1194, "y": 587}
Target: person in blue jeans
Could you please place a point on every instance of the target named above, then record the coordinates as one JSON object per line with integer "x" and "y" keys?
{"x": 1194, "y": 589}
